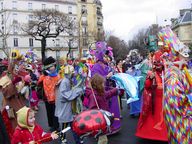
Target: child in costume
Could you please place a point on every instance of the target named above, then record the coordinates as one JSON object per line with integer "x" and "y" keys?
{"x": 97, "y": 88}
{"x": 101, "y": 67}
{"x": 28, "y": 131}
{"x": 99, "y": 98}
{"x": 50, "y": 81}
{"x": 30, "y": 93}
{"x": 66, "y": 94}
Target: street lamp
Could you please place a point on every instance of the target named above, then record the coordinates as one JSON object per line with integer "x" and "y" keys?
{"x": 80, "y": 48}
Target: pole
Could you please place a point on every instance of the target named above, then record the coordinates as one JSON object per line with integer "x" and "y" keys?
{"x": 80, "y": 48}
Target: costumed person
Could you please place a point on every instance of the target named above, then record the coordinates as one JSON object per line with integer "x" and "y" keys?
{"x": 97, "y": 89}
{"x": 151, "y": 124}
{"x": 120, "y": 69}
{"x": 101, "y": 67}
{"x": 25, "y": 91}
{"x": 134, "y": 70}
{"x": 11, "y": 99}
{"x": 178, "y": 91}
{"x": 30, "y": 94}
{"x": 50, "y": 81}
{"x": 97, "y": 95}
{"x": 33, "y": 86}
{"x": 28, "y": 131}
{"x": 66, "y": 94}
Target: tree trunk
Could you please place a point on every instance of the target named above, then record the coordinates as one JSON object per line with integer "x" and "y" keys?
{"x": 43, "y": 46}
{"x": 69, "y": 51}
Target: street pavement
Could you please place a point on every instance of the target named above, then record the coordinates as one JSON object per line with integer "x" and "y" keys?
{"x": 124, "y": 136}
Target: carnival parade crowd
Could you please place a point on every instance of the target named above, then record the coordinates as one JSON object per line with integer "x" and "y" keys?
{"x": 85, "y": 96}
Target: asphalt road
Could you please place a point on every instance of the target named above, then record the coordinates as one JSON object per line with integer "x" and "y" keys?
{"x": 124, "y": 136}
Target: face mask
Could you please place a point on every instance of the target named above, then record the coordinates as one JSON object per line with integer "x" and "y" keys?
{"x": 52, "y": 74}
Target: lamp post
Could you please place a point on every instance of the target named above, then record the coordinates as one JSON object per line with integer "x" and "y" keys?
{"x": 80, "y": 48}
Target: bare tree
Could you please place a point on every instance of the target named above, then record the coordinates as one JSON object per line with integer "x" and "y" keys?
{"x": 141, "y": 40}
{"x": 46, "y": 24}
{"x": 5, "y": 30}
{"x": 120, "y": 49}
{"x": 72, "y": 32}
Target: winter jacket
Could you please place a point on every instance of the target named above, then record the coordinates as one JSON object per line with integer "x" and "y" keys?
{"x": 103, "y": 101}
{"x": 66, "y": 94}
{"x": 24, "y": 136}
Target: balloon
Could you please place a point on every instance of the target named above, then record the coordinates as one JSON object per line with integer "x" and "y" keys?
{"x": 92, "y": 122}
{"x": 129, "y": 84}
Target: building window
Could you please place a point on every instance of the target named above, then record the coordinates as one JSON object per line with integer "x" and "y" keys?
{"x": 15, "y": 18}
{"x": 1, "y": 5}
{"x": 30, "y": 17}
{"x": 83, "y": 9}
{"x": 2, "y": 19}
{"x": 69, "y": 9}
{"x": 15, "y": 28}
{"x": 14, "y": 5}
{"x": 83, "y": 0}
{"x": 30, "y": 6}
{"x": 57, "y": 42}
{"x": 43, "y": 6}
{"x": 84, "y": 29}
{"x": 15, "y": 42}
{"x": 57, "y": 7}
{"x": 84, "y": 42}
{"x": 30, "y": 42}
{"x": 177, "y": 33}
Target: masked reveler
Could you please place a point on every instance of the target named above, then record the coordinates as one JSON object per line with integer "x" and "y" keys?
{"x": 10, "y": 86}
{"x": 151, "y": 123}
{"x": 178, "y": 93}
{"x": 101, "y": 67}
{"x": 50, "y": 81}
{"x": 67, "y": 93}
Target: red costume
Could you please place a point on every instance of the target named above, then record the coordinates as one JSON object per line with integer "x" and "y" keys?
{"x": 151, "y": 123}
{"x": 25, "y": 132}
{"x": 24, "y": 136}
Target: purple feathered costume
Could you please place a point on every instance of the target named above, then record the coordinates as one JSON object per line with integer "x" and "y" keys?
{"x": 103, "y": 70}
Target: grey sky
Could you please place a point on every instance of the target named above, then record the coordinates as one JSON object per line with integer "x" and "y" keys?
{"x": 125, "y": 17}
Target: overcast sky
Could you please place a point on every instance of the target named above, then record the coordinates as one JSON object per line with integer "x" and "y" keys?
{"x": 125, "y": 17}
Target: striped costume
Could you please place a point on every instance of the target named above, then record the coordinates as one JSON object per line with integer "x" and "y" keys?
{"x": 177, "y": 107}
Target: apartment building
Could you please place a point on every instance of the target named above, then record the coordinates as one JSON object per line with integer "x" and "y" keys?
{"x": 182, "y": 26}
{"x": 16, "y": 13}
{"x": 90, "y": 22}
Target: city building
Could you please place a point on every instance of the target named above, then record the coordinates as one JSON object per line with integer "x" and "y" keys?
{"x": 15, "y": 13}
{"x": 182, "y": 26}
{"x": 90, "y": 23}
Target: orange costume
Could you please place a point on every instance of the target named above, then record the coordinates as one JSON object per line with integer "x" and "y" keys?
{"x": 49, "y": 86}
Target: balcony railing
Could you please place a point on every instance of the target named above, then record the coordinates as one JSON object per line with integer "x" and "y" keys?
{"x": 99, "y": 13}
{"x": 99, "y": 23}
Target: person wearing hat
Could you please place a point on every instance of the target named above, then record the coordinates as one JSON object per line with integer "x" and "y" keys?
{"x": 66, "y": 94}
{"x": 151, "y": 124}
{"x": 27, "y": 131}
{"x": 50, "y": 81}
{"x": 178, "y": 97}
{"x": 102, "y": 68}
